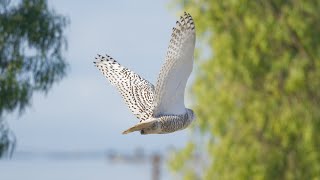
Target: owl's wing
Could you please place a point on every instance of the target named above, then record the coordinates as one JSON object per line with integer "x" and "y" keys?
{"x": 169, "y": 92}
{"x": 136, "y": 92}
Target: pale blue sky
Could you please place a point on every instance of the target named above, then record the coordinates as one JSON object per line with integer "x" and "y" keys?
{"x": 83, "y": 111}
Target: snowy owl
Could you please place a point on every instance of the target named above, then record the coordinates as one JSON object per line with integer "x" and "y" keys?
{"x": 159, "y": 108}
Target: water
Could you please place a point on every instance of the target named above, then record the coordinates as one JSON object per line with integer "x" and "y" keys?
{"x": 95, "y": 168}
{"x": 77, "y": 170}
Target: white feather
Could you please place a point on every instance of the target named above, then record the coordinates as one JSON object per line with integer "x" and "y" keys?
{"x": 167, "y": 98}
{"x": 172, "y": 80}
{"x": 135, "y": 90}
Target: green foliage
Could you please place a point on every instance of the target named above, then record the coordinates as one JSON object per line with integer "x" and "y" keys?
{"x": 257, "y": 97}
{"x": 31, "y": 54}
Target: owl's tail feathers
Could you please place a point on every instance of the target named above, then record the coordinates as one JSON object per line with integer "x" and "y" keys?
{"x": 138, "y": 127}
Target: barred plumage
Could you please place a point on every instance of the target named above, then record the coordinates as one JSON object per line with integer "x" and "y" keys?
{"x": 172, "y": 123}
{"x": 136, "y": 91}
{"x": 160, "y": 109}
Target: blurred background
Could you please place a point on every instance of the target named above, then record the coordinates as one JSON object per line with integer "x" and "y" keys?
{"x": 254, "y": 88}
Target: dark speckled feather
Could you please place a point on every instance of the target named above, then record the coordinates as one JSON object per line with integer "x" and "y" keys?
{"x": 160, "y": 109}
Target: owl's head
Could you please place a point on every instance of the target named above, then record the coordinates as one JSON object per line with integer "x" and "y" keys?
{"x": 191, "y": 114}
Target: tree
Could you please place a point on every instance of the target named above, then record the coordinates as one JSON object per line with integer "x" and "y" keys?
{"x": 32, "y": 43}
{"x": 257, "y": 95}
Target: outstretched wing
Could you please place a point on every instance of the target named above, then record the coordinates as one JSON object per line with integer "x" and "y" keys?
{"x": 169, "y": 92}
{"x": 135, "y": 91}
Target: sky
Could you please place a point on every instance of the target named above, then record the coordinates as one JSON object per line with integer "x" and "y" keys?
{"x": 83, "y": 111}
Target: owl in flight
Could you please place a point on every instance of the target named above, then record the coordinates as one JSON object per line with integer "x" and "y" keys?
{"x": 159, "y": 108}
